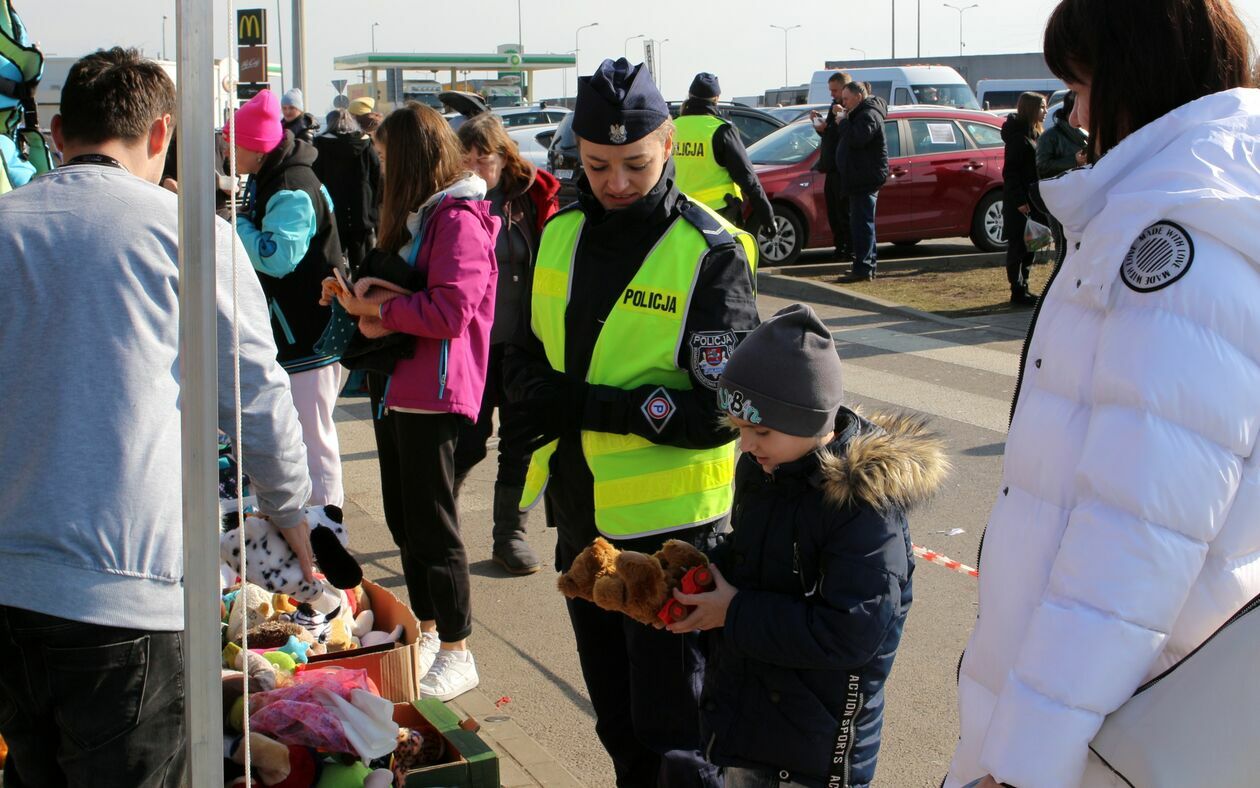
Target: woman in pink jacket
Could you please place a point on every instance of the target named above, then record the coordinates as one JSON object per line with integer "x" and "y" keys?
{"x": 435, "y": 218}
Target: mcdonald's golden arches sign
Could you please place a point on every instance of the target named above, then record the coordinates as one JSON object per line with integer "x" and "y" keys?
{"x": 251, "y": 27}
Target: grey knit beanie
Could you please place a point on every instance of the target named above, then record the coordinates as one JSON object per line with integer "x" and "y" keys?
{"x": 785, "y": 376}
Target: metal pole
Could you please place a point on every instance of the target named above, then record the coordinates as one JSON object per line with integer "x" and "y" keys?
{"x": 785, "y": 49}
{"x": 918, "y": 27}
{"x": 164, "y": 36}
{"x": 374, "y": 26}
{"x": 577, "y": 67}
{"x": 198, "y": 386}
{"x": 894, "y": 29}
{"x": 299, "y": 45}
{"x": 280, "y": 43}
{"x": 626, "y": 48}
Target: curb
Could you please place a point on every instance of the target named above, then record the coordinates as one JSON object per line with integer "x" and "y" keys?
{"x": 522, "y": 761}
{"x": 776, "y": 284}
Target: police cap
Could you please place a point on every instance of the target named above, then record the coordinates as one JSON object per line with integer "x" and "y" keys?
{"x": 705, "y": 86}
{"x": 618, "y": 104}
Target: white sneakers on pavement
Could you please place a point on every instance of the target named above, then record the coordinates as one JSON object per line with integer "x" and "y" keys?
{"x": 453, "y": 673}
{"x": 430, "y": 644}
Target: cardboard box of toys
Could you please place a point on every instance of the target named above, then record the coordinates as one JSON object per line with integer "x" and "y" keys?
{"x": 393, "y": 667}
{"x": 461, "y": 757}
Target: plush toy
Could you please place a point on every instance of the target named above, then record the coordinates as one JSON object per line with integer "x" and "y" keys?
{"x": 276, "y": 633}
{"x": 636, "y": 584}
{"x": 414, "y": 751}
{"x": 272, "y": 564}
{"x": 276, "y": 765}
{"x": 250, "y": 607}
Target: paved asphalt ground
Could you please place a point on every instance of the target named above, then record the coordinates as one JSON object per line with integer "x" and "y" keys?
{"x": 961, "y": 374}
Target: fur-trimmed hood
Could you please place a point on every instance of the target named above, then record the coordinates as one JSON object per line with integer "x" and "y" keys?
{"x": 889, "y": 460}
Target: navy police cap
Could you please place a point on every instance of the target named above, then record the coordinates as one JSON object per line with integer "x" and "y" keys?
{"x": 705, "y": 86}
{"x": 618, "y": 104}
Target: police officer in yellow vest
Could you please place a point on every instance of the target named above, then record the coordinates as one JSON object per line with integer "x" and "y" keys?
{"x": 638, "y": 298}
{"x": 712, "y": 164}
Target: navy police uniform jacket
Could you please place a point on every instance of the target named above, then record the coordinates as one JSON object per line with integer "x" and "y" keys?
{"x": 821, "y": 556}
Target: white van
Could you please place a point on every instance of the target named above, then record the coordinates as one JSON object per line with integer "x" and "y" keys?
{"x": 903, "y": 85}
{"x": 996, "y": 94}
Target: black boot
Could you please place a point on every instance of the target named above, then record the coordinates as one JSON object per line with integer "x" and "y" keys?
{"x": 1021, "y": 297}
{"x": 511, "y": 551}
{"x": 460, "y": 478}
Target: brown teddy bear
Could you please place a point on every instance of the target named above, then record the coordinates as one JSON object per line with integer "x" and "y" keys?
{"x": 633, "y": 583}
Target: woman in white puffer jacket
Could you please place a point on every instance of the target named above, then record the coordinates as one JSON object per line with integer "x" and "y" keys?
{"x": 1127, "y": 526}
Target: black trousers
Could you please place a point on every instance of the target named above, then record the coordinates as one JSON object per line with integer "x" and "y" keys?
{"x": 645, "y": 686}
{"x": 471, "y": 446}
{"x": 85, "y": 704}
{"x": 1018, "y": 258}
{"x": 838, "y": 213}
{"x": 416, "y": 453}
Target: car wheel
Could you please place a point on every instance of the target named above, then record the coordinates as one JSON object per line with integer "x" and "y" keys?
{"x": 784, "y": 244}
{"x": 988, "y": 232}
{"x": 908, "y": 243}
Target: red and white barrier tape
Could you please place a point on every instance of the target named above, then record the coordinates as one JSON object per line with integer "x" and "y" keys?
{"x": 936, "y": 558}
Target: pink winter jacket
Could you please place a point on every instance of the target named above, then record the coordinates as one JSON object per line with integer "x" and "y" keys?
{"x": 452, "y": 316}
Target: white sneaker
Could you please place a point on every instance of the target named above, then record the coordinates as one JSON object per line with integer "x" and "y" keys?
{"x": 453, "y": 673}
{"x": 430, "y": 644}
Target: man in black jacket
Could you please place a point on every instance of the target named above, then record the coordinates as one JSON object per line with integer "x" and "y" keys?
{"x": 837, "y": 203}
{"x": 862, "y": 161}
{"x": 639, "y": 296}
{"x": 350, "y": 169}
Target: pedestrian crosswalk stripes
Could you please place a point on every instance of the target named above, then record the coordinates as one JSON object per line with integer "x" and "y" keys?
{"x": 893, "y": 341}
{"x": 988, "y": 413}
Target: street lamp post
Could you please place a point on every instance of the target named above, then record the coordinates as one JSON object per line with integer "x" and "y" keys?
{"x": 164, "y": 36}
{"x": 577, "y": 68}
{"x": 374, "y": 26}
{"x": 626, "y": 48}
{"x": 860, "y": 51}
{"x": 660, "y": 63}
{"x": 961, "y": 10}
{"x": 785, "y": 49}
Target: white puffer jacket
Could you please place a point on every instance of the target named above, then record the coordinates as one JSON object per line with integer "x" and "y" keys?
{"x": 1127, "y": 525}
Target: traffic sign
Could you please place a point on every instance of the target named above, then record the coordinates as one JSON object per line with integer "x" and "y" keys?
{"x": 341, "y": 101}
{"x": 251, "y": 27}
{"x": 339, "y": 85}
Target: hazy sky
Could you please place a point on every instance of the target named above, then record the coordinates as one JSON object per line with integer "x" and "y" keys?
{"x": 731, "y": 38}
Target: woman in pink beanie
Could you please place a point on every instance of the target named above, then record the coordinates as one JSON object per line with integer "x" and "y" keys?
{"x": 288, "y": 230}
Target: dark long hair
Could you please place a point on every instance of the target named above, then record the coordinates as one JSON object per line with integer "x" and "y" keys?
{"x": 1028, "y": 108}
{"x": 422, "y": 157}
{"x": 1144, "y": 58}
{"x": 485, "y": 132}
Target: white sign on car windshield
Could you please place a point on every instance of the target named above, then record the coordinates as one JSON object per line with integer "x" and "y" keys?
{"x": 942, "y": 133}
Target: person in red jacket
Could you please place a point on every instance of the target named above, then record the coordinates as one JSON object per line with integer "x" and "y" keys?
{"x": 523, "y": 197}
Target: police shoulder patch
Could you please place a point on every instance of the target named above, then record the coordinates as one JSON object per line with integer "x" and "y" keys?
{"x": 710, "y": 352}
{"x": 1160, "y": 256}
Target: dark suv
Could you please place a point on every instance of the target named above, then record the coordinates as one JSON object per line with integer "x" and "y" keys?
{"x": 564, "y": 163}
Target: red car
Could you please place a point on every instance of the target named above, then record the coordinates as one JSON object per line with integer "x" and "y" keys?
{"x": 945, "y": 181}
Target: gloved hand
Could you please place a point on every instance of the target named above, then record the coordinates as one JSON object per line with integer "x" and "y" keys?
{"x": 533, "y": 423}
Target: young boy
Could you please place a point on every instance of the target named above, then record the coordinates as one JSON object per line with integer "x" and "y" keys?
{"x": 813, "y": 583}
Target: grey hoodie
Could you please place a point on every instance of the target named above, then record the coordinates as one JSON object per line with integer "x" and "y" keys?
{"x": 90, "y": 503}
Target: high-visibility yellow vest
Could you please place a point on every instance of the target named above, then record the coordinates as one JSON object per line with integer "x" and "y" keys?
{"x": 697, "y": 172}
{"x": 641, "y": 488}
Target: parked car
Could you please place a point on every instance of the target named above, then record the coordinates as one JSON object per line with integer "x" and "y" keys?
{"x": 533, "y": 142}
{"x": 531, "y": 116}
{"x": 563, "y": 161}
{"x": 945, "y": 181}
{"x": 795, "y": 112}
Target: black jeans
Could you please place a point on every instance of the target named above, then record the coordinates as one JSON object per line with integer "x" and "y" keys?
{"x": 838, "y": 213}
{"x": 471, "y": 447}
{"x": 1018, "y": 259}
{"x": 416, "y": 453}
{"x": 645, "y": 686}
{"x": 85, "y": 704}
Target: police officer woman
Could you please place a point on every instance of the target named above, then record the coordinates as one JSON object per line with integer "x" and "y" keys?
{"x": 639, "y": 296}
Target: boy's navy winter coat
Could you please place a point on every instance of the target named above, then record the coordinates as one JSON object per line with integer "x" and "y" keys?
{"x": 821, "y": 557}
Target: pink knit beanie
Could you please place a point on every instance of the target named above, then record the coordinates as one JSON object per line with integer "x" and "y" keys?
{"x": 258, "y": 124}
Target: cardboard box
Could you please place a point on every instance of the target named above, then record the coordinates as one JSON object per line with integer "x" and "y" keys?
{"x": 469, "y": 761}
{"x": 394, "y": 667}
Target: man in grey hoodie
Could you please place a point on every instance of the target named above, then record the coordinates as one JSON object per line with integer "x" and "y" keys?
{"x": 91, "y": 567}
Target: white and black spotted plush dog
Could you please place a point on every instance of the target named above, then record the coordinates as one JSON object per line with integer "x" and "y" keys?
{"x": 272, "y": 564}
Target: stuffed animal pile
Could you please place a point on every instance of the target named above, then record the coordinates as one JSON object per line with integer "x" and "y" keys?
{"x": 637, "y": 584}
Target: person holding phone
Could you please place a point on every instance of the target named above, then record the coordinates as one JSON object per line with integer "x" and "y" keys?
{"x": 828, "y": 127}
